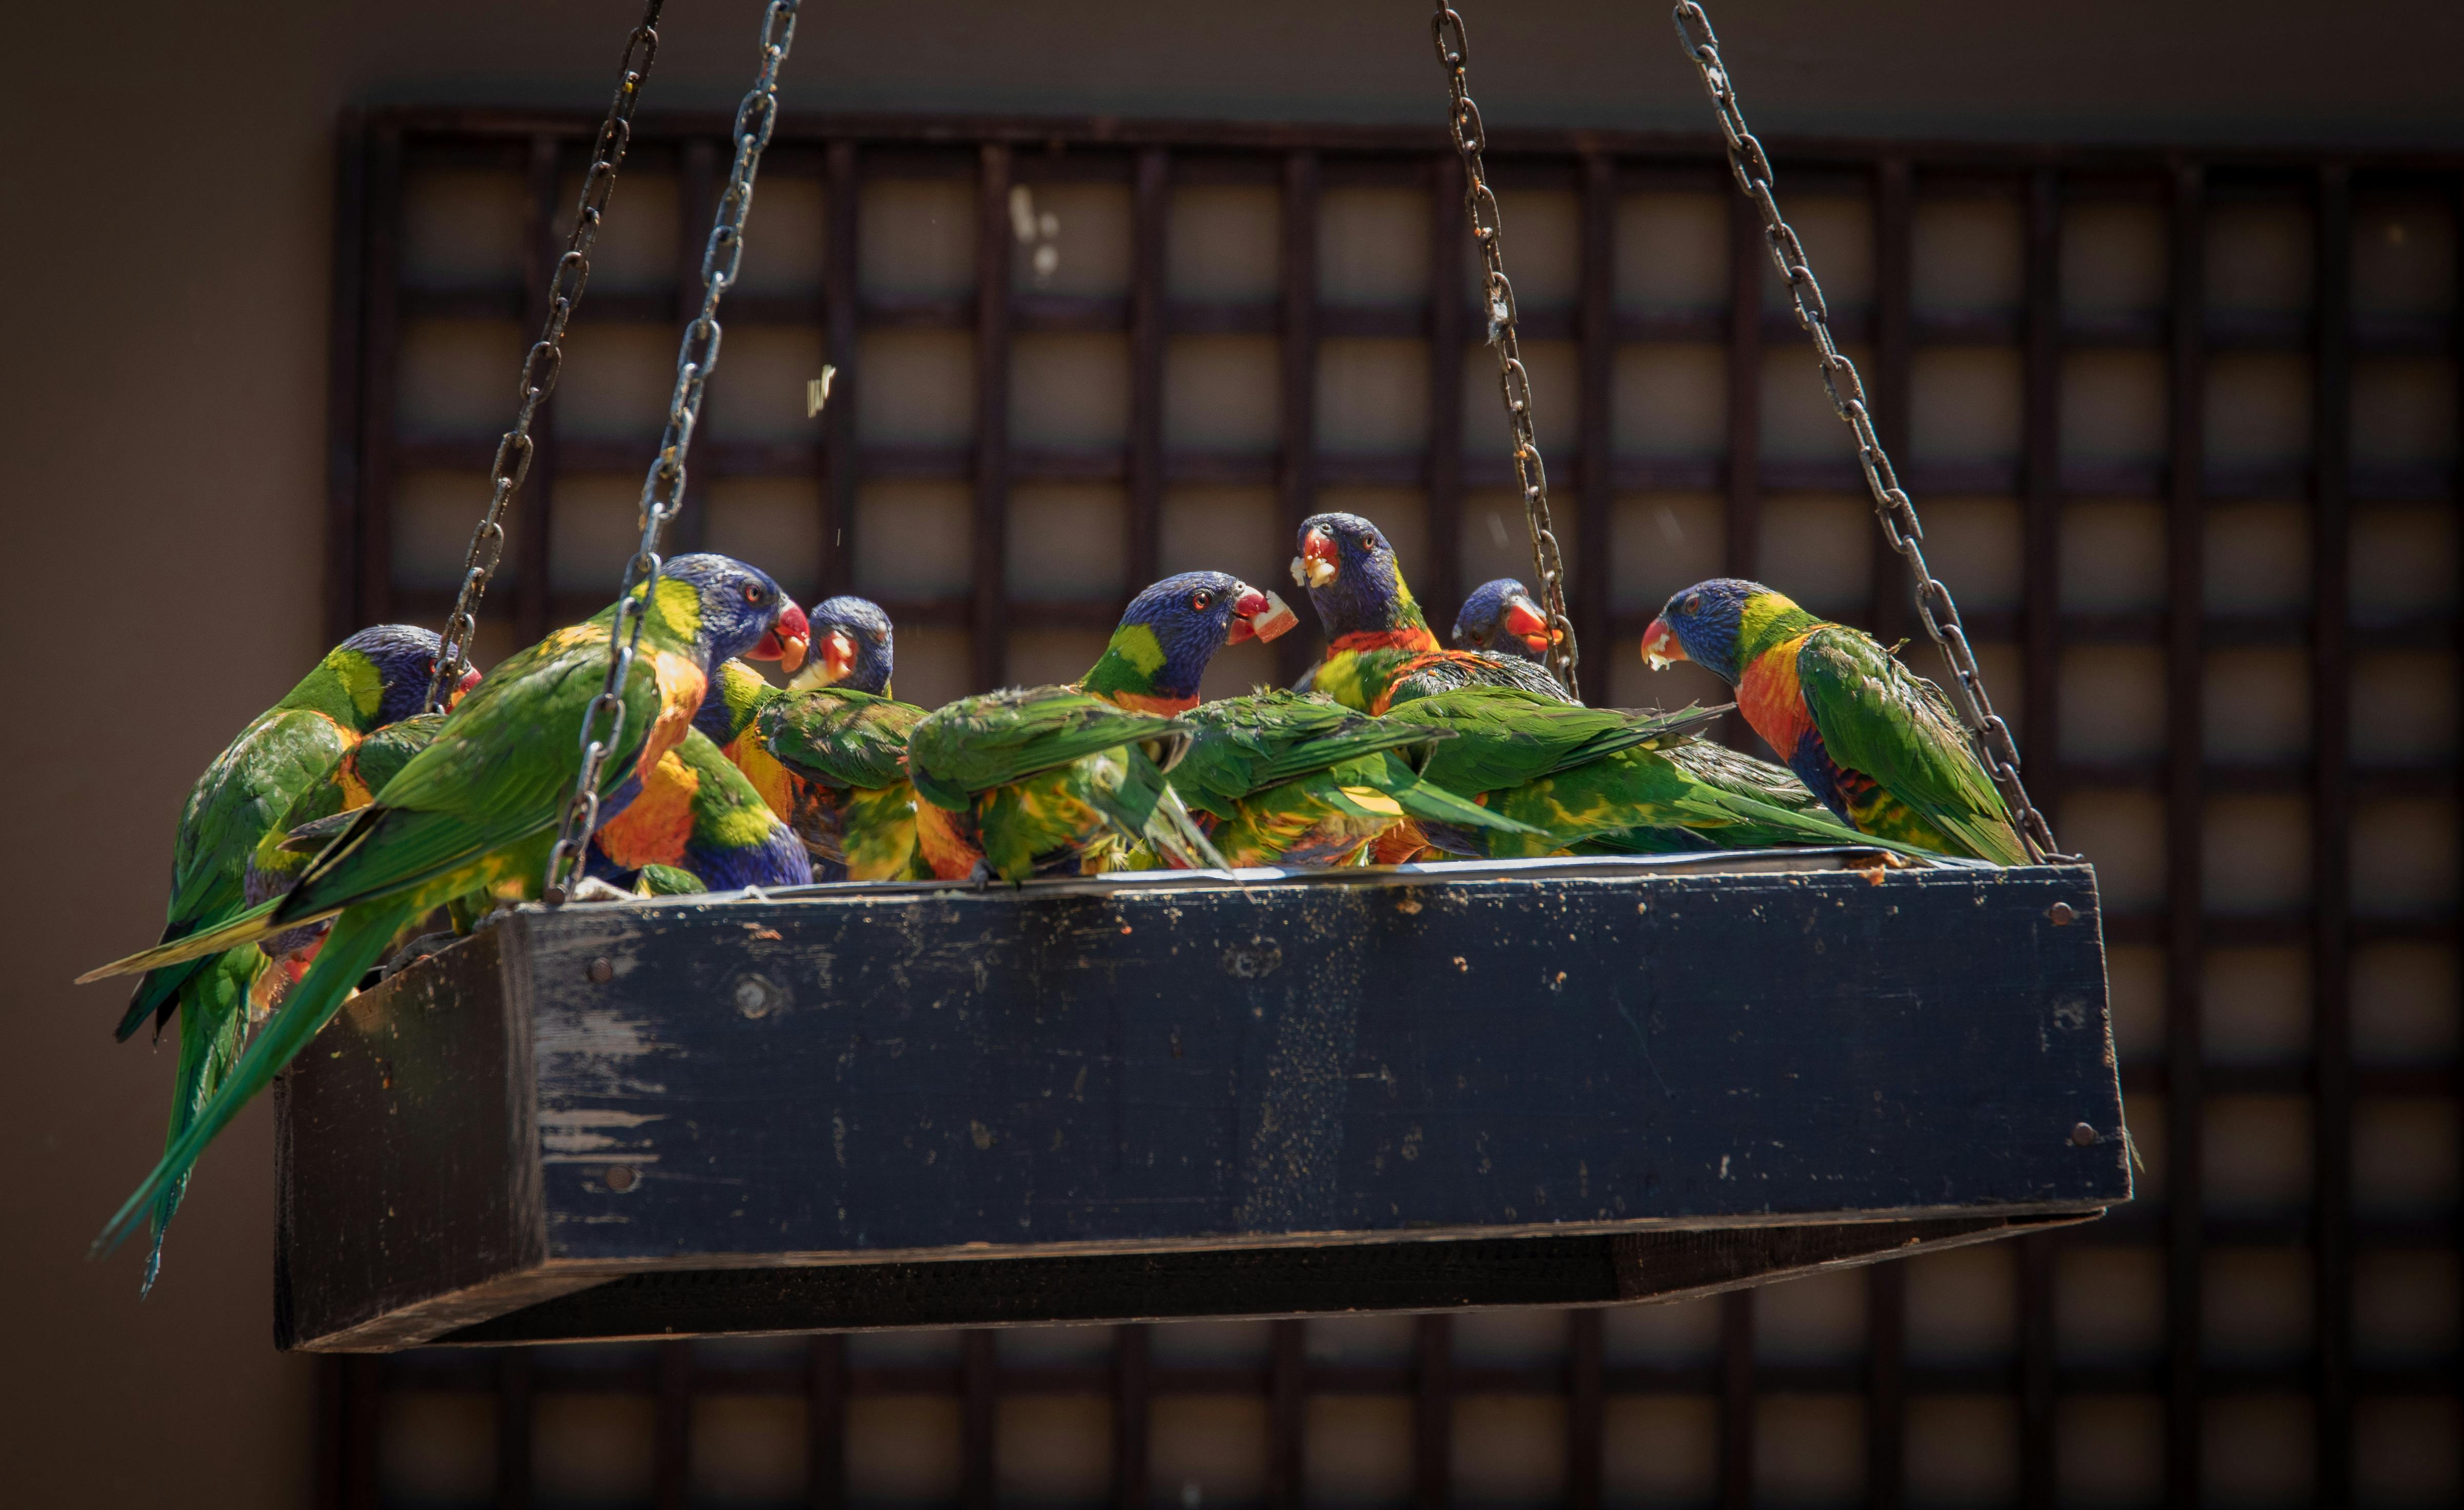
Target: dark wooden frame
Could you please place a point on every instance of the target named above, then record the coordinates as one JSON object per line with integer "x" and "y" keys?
{"x": 369, "y": 305}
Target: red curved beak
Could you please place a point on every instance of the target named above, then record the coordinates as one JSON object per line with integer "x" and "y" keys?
{"x": 1659, "y": 647}
{"x": 1525, "y": 621}
{"x": 787, "y": 639}
{"x": 470, "y": 679}
{"x": 1258, "y": 616}
{"x": 1315, "y": 566}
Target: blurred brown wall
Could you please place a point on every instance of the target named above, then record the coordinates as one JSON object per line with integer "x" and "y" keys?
{"x": 163, "y": 217}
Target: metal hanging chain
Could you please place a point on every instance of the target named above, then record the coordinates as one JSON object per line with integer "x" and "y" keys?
{"x": 662, "y": 487}
{"x": 1898, "y": 515}
{"x": 546, "y": 356}
{"x": 1480, "y": 207}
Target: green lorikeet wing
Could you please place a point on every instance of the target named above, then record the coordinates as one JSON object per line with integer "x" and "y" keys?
{"x": 834, "y": 759}
{"x": 841, "y": 738}
{"x": 1293, "y": 779}
{"x": 1509, "y": 737}
{"x": 977, "y": 743}
{"x": 1733, "y": 771}
{"x": 1583, "y": 775}
{"x": 1241, "y": 745}
{"x": 1730, "y": 771}
{"x": 1879, "y": 719}
{"x": 1640, "y": 800}
{"x": 666, "y": 881}
{"x": 1030, "y": 778}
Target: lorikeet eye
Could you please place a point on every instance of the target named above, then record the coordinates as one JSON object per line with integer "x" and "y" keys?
{"x": 1201, "y": 600}
{"x": 1693, "y": 603}
{"x": 753, "y": 593}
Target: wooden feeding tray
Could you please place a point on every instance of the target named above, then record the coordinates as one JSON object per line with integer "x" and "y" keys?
{"x": 1146, "y": 1096}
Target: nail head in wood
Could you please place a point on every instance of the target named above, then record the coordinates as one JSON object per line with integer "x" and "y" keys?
{"x": 2082, "y": 1135}
{"x": 621, "y": 1178}
{"x": 601, "y": 971}
{"x": 2062, "y": 913}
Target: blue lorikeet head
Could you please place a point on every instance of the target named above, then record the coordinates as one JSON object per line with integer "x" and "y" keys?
{"x": 851, "y": 647}
{"x": 1352, "y": 579}
{"x": 1720, "y": 625}
{"x": 1170, "y": 632}
{"x": 1502, "y": 619}
{"x": 742, "y": 611}
{"x": 401, "y": 657}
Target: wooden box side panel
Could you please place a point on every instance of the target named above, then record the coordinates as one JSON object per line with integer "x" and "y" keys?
{"x": 409, "y": 1165}
{"x": 886, "y": 1075}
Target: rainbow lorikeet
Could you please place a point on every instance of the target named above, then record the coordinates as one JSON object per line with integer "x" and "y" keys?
{"x": 1042, "y": 779}
{"x": 697, "y": 812}
{"x": 1502, "y": 619}
{"x": 829, "y": 754}
{"x": 1288, "y": 778}
{"x": 372, "y": 679}
{"x": 1875, "y": 740}
{"x": 1587, "y": 774}
{"x": 479, "y": 808}
{"x": 1376, "y": 632}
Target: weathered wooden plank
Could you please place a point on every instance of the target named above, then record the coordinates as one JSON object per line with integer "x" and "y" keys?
{"x": 408, "y": 1131}
{"x": 872, "y": 1075}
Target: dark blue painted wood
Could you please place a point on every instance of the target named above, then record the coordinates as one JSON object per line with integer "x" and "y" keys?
{"x": 1472, "y": 1053}
{"x": 936, "y": 1068}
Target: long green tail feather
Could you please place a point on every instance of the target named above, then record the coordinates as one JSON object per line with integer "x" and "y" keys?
{"x": 246, "y": 927}
{"x": 357, "y": 942}
{"x": 214, "y": 1021}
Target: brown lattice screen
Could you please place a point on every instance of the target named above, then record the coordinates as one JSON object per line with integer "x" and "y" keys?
{"x": 2184, "y": 433}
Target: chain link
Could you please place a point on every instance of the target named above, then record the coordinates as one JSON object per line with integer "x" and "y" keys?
{"x": 545, "y": 359}
{"x": 1892, "y": 506}
{"x": 662, "y": 487}
{"x": 1514, "y": 382}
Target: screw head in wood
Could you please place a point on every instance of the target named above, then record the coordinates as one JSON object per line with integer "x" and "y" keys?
{"x": 2062, "y": 914}
{"x": 621, "y": 1178}
{"x": 2082, "y": 1135}
{"x": 752, "y": 996}
{"x": 601, "y": 970}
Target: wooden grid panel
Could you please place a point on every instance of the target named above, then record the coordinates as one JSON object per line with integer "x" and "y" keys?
{"x": 2182, "y": 825}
